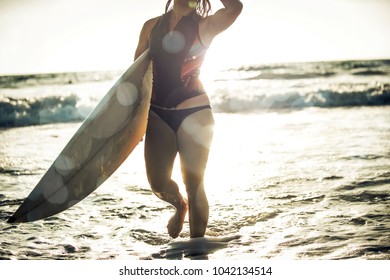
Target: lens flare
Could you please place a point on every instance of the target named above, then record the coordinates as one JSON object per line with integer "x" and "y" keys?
{"x": 64, "y": 165}
{"x": 192, "y": 4}
{"x": 200, "y": 133}
{"x": 173, "y": 42}
{"x": 59, "y": 197}
{"x": 127, "y": 94}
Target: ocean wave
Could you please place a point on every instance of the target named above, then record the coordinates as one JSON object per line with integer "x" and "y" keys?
{"x": 54, "y": 109}
{"x": 20, "y": 81}
{"x": 289, "y": 76}
{"x": 245, "y": 89}
{"x": 311, "y": 70}
{"x": 35, "y": 111}
{"x": 228, "y": 101}
{"x": 276, "y": 71}
{"x": 369, "y": 73}
{"x": 15, "y": 172}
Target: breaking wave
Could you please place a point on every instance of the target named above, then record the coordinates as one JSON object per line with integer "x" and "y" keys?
{"x": 229, "y": 101}
{"x": 50, "y": 98}
{"x": 35, "y": 111}
{"x": 53, "y": 109}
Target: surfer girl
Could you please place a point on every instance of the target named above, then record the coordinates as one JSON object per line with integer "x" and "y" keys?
{"x": 180, "y": 118}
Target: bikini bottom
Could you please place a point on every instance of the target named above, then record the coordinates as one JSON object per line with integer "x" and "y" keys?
{"x": 174, "y": 117}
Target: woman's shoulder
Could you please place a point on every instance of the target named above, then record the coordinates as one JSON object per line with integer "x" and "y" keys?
{"x": 150, "y": 23}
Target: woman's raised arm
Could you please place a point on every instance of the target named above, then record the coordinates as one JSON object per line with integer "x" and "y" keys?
{"x": 212, "y": 25}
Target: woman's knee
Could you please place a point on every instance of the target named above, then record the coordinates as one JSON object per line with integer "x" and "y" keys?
{"x": 157, "y": 183}
{"x": 193, "y": 182}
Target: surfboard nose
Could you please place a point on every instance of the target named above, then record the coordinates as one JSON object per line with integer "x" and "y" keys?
{"x": 11, "y": 220}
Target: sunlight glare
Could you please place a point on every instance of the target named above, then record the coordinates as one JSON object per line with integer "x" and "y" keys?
{"x": 173, "y": 42}
{"x": 192, "y": 4}
{"x": 127, "y": 94}
{"x": 201, "y": 134}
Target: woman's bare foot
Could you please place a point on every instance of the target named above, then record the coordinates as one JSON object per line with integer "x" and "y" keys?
{"x": 175, "y": 224}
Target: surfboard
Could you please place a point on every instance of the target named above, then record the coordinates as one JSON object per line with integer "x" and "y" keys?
{"x": 101, "y": 144}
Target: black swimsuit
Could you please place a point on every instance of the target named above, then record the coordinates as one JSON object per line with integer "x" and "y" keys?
{"x": 174, "y": 117}
{"x": 177, "y": 56}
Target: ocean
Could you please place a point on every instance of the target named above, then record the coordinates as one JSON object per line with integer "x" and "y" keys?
{"x": 299, "y": 168}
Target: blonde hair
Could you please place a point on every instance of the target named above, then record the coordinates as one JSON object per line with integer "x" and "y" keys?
{"x": 203, "y": 7}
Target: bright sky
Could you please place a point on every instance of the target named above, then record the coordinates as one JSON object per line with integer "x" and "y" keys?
{"x": 40, "y": 36}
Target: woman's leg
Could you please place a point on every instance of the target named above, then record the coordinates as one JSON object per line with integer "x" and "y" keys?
{"x": 194, "y": 139}
{"x": 160, "y": 153}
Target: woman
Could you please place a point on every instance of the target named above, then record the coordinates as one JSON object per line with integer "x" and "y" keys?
{"x": 180, "y": 118}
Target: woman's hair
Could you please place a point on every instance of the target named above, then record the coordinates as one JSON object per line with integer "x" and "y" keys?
{"x": 203, "y": 7}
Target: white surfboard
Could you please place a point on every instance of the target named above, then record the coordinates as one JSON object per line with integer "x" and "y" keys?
{"x": 101, "y": 144}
